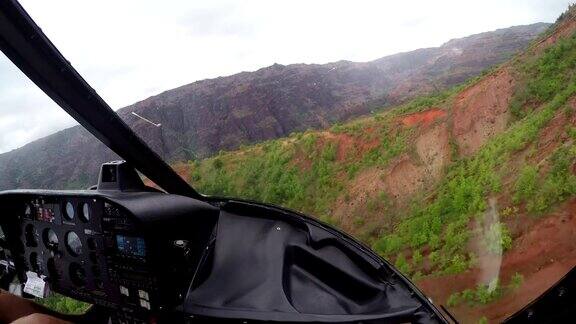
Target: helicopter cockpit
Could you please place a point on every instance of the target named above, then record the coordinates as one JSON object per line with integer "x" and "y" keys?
{"x": 139, "y": 254}
{"x": 143, "y": 255}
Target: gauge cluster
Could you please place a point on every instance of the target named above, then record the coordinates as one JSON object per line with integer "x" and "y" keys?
{"x": 133, "y": 252}
{"x": 56, "y": 237}
{"x": 84, "y": 246}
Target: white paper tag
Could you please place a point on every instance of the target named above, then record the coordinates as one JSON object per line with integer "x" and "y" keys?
{"x": 35, "y": 285}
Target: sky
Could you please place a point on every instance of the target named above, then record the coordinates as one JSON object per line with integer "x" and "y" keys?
{"x": 131, "y": 49}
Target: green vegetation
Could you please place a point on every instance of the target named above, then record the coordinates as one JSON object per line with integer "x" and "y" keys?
{"x": 559, "y": 184}
{"x": 566, "y": 14}
{"x": 64, "y": 304}
{"x": 526, "y": 185}
{"x": 483, "y": 294}
{"x": 488, "y": 293}
{"x": 442, "y": 223}
{"x": 383, "y": 153}
{"x": 302, "y": 172}
{"x": 540, "y": 193}
{"x": 269, "y": 174}
{"x": 516, "y": 280}
{"x": 547, "y": 75}
{"x": 453, "y": 300}
{"x": 402, "y": 264}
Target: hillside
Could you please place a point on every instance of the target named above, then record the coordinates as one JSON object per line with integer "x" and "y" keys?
{"x": 201, "y": 118}
{"x": 471, "y": 192}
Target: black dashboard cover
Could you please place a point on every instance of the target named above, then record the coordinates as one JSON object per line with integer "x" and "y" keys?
{"x": 260, "y": 262}
{"x": 271, "y": 264}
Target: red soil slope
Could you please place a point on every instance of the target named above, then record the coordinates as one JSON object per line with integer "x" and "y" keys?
{"x": 543, "y": 252}
{"x": 425, "y": 117}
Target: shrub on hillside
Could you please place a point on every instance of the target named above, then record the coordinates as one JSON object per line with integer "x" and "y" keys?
{"x": 516, "y": 280}
{"x": 526, "y": 185}
{"x": 402, "y": 264}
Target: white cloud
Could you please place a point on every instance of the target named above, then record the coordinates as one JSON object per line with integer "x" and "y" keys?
{"x": 131, "y": 49}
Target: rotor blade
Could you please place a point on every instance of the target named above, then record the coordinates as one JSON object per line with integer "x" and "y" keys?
{"x": 27, "y": 47}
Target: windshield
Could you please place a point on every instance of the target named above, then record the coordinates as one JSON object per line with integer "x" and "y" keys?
{"x": 449, "y": 153}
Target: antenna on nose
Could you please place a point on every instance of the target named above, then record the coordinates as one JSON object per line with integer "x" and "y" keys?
{"x": 146, "y": 120}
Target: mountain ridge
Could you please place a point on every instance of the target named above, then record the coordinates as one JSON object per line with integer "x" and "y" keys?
{"x": 203, "y": 117}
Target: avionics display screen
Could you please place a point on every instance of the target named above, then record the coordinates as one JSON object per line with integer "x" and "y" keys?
{"x": 129, "y": 245}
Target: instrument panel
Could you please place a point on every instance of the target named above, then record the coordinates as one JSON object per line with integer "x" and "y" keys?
{"x": 61, "y": 239}
{"x": 134, "y": 254}
{"x": 87, "y": 248}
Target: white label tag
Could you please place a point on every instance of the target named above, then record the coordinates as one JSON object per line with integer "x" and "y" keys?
{"x": 35, "y": 285}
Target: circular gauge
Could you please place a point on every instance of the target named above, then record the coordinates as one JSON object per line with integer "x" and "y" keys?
{"x": 50, "y": 239}
{"x": 31, "y": 235}
{"x": 73, "y": 244}
{"x": 69, "y": 211}
{"x": 85, "y": 215}
{"x": 77, "y": 274}
{"x": 35, "y": 263}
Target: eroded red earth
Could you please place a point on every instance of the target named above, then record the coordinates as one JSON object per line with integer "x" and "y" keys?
{"x": 544, "y": 250}
{"x": 423, "y": 118}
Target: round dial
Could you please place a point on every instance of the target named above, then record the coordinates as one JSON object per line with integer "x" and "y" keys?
{"x": 85, "y": 212}
{"x": 73, "y": 244}
{"x": 69, "y": 211}
{"x": 50, "y": 239}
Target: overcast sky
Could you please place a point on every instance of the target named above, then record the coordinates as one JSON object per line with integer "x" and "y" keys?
{"x": 129, "y": 50}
